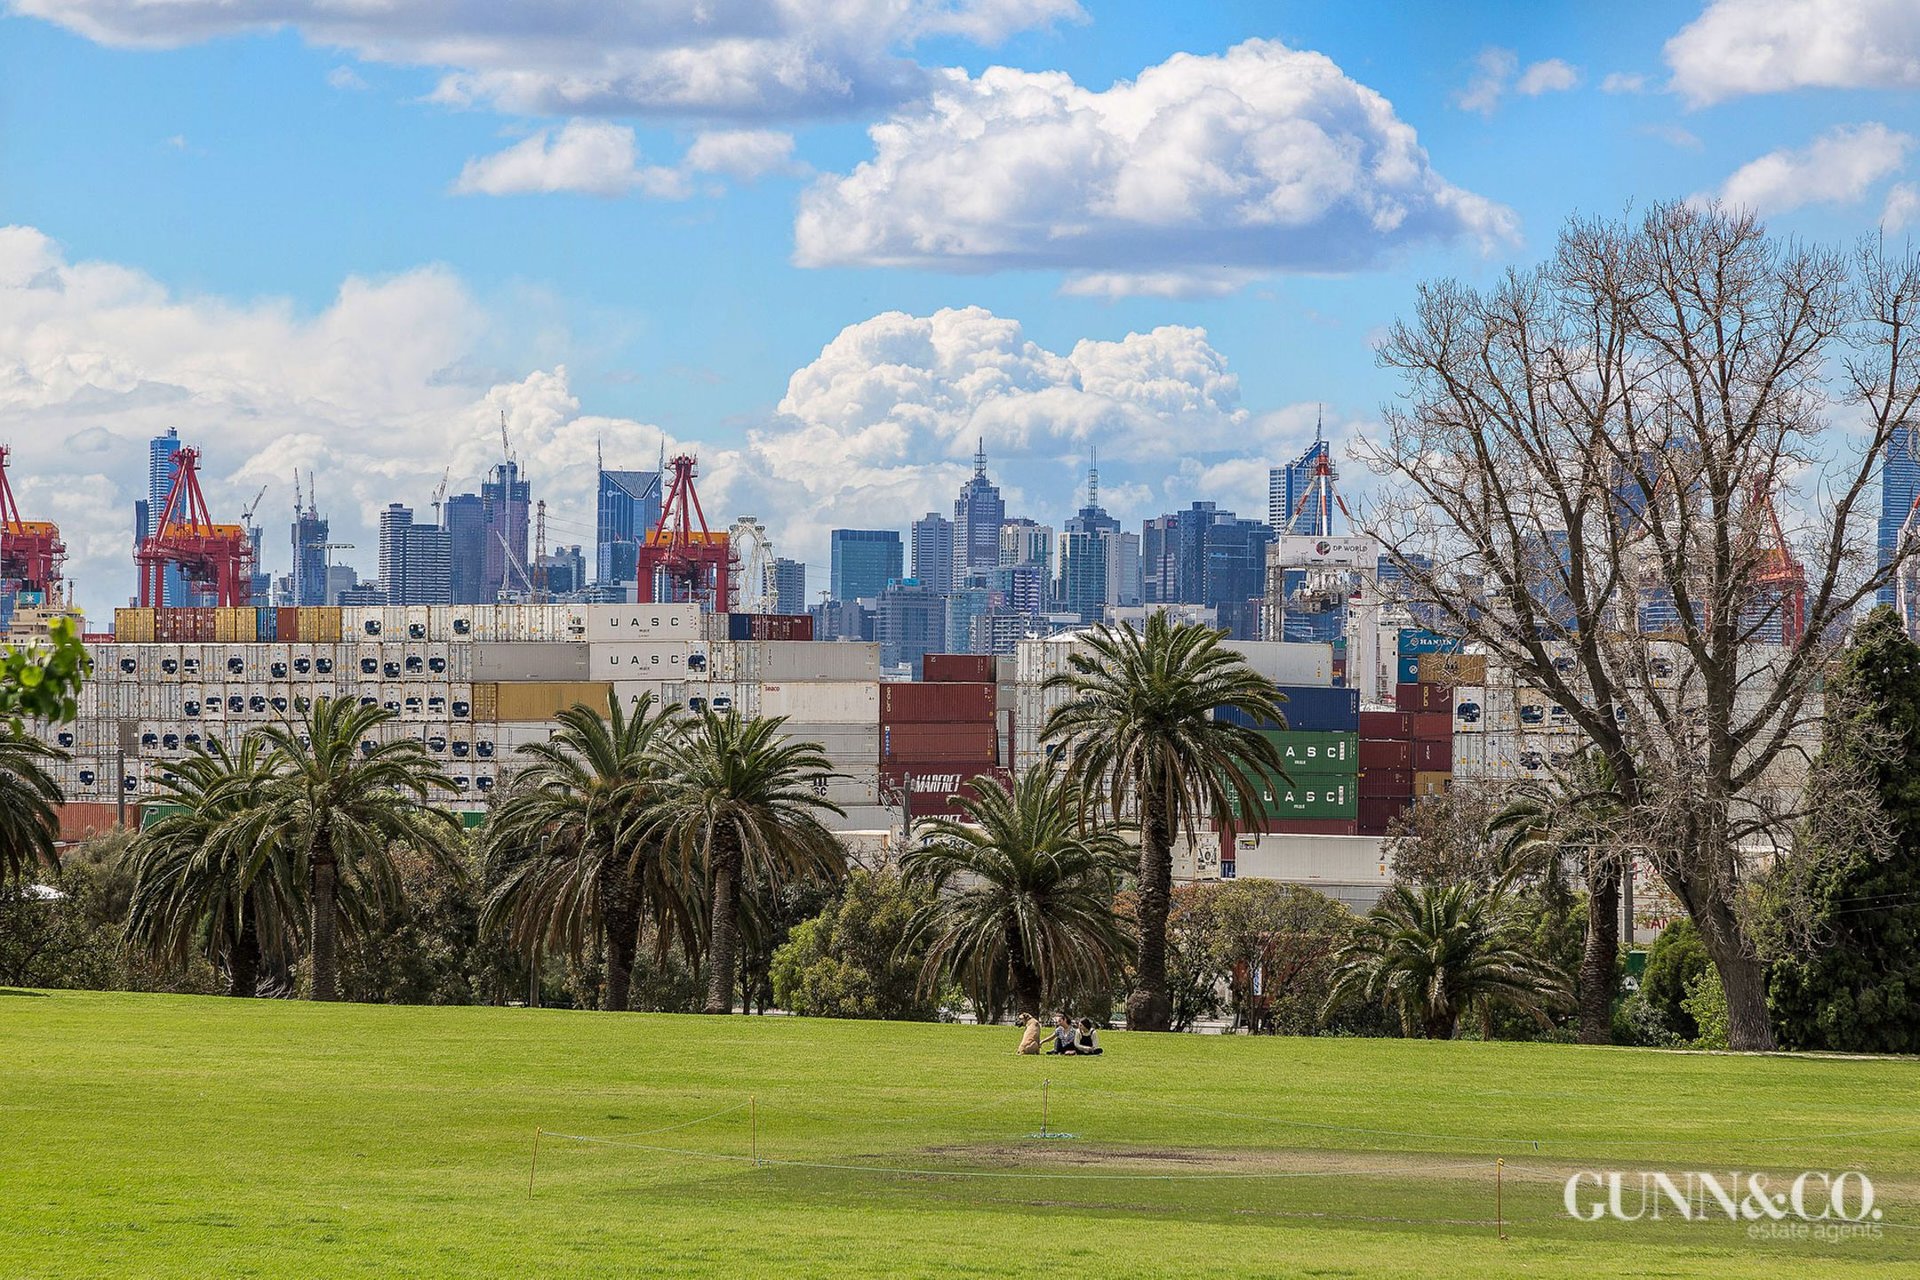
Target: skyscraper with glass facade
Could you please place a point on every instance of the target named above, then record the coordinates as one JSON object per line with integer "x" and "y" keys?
{"x": 863, "y": 562}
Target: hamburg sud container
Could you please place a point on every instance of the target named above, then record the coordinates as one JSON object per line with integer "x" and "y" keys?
{"x": 956, "y": 704}
{"x": 1423, "y": 697}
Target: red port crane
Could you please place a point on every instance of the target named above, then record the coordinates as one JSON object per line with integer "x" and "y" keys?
{"x": 214, "y": 558}
{"x": 31, "y": 552}
{"x": 679, "y": 561}
{"x": 1781, "y": 578}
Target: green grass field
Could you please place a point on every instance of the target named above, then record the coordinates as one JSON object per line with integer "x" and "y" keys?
{"x": 173, "y": 1136}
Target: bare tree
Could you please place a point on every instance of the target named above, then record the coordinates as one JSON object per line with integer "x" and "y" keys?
{"x": 1585, "y": 468}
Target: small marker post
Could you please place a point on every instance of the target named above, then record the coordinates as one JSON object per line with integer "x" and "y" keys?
{"x": 533, "y": 1167}
{"x": 753, "y": 1128}
{"x": 1046, "y": 1090}
{"x": 1499, "y": 1209}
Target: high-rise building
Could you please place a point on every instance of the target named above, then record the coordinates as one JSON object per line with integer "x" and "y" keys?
{"x": 1086, "y": 556}
{"x": 1021, "y": 588}
{"x": 1235, "y": 574}
{"x": 978, "y": 514}
{"x": 864, "y": 561}
{"x": 1123, "y": 568}
{"x": 1024, "y": 541}
{"x": 788, "y": 583}
{"x": 563, "y": 572}
{"x": 933, "y": 551}
{"x": 465, "y": 517}
{"x": 628, "y": 507}
{"x": 842, "y": 620}
{"x": 504, "y": 501}
{"x": 910, "y": 622}
{"x": 160, "y": 468}
{"x": 967, "y": 608}
{"x": 1899, "y": 491}
{"x": 309, "y": 532}
{"x": 415, "y": 559}
{"x": 1298, "y": 502}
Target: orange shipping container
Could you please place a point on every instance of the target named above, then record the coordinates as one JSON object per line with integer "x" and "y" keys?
{"x": 1453, "y": 668}
{"x": 538, "y": 701}
{"x": 1432, "y": 782}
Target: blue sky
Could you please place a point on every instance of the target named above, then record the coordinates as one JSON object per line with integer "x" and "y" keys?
{"x": 347, "y": 242}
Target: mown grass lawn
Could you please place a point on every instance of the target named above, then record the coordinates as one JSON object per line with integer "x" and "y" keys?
{"x": 172, "y": 1136}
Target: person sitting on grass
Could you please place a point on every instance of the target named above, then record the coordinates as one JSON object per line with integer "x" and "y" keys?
{"x": 1064, "y": 1036}
{"x": 1088, "y": 1045}
{"x": 1030, "y": 1035}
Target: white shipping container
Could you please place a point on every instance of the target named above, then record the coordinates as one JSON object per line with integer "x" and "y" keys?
{"x": 647, "y": 660}
{"x": 520, "y": 661}
{"x": 598, "y": 623}
{"x": 1311, "y": 860}
{"x": 823, "y": 702}
{"x": 793, "y": 661}
{"x": 1288, "y": 663}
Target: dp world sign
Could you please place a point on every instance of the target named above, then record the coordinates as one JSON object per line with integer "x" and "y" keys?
{"x": 1343, "y": 553}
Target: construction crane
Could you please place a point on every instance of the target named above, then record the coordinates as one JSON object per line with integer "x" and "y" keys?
{"x": 31, "y": 552}
{"x": 539, "y": 583}
{"x": 246, "y": 517}
{"x": 214, "y": 558}
{"x": 440, "y": 492}
{"x": 679, "y": 562}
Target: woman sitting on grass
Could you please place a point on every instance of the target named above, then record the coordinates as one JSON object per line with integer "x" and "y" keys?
{"x": 1064, "y": 1036}
{"x": 1088, "y": 1045}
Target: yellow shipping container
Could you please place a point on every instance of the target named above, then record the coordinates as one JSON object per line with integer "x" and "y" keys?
{"x": 539, "y": 701}
{"x": 1432, "y": 782}
{"x": 234, "y": 626}
{"x": 1453, "y": 668}
{"x": 486, "y": 702}
{"x": 319, "y": 624}
{"x": 133, "y": 626}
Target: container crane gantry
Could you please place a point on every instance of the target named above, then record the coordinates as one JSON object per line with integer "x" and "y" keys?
{"x": 214, "y": 558}
{"x": 679, "y": 561}
{"x": 31, "y": 552}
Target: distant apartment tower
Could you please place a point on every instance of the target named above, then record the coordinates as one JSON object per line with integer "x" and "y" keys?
{"x": 967, "y": 609}
{"x": 863, "y": 562}
{"x": 309, "y": 531}
{"x": 910, "y": 622}
{"x": 788, "y": 582}
{"x": 933, "y": 551}
{"x": 978, "y": 514}
{"x": 504, "y": 504}
{"x": 628, "y": 507}
{"x": 415, "y": 559}
{"x": 1899, "y": 489}
{"x": 465, "y": 520}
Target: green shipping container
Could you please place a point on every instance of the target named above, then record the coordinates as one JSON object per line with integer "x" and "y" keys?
{"x": 1331, "y": 795}
{"x": 1305, "y": 751}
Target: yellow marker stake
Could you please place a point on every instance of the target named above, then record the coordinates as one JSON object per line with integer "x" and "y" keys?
{"x": 1499, "y": 1210}
{"x": 531, "y": 1168}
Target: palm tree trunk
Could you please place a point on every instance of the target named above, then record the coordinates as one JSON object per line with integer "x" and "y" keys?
{"x": 723, "y": 924}
{"x": 1601, "y": 953}
{"x": 1027, "y": 991}
{"x": 325, "y": 960}
{"x": 1150, "y": 1007}
{"x": 620, "y": 909}
{"x": 243, "y": 966}
{"x": 1439, "y": 1026}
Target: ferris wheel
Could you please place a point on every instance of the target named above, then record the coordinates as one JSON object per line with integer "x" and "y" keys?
{"x": 753, "y": 566}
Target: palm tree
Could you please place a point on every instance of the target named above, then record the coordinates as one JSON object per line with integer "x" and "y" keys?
{"x": 29, "y": 800}
{"x": 1543, "y": 829}
{"x": 1023, "y": 892}
{"x": 1138, "y": 728}
{"x": 337, "y": 802}
{"x": 1436, "y": 952}
{"x": 740, "y": 798}
{"x": 565, "y": 852}
{"x": 195, "y": 888}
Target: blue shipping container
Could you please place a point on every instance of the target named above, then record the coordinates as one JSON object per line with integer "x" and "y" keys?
{"x": 266, "y": 625}
{"x": 1410, "y": 670}
{"x": 1414, "y": 642}
{"x": 1307, "y": 709}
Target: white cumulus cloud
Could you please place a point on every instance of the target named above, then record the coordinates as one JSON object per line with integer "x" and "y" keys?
{"x": 1902, "y": 208}
{"x": 1838, "y": 167}
{"x": 586, "y": 156}
{"x": 1554, "y": 75}
{"x": 1740, "y": 47}
{"x": 745, "y": 154}
{"x": 1261, "y": 160}
{"x": 1497, "y": 70}
{"x": 750, "y": 59}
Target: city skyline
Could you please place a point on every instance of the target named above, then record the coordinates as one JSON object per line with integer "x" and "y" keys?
{"x": 741, "y": 278}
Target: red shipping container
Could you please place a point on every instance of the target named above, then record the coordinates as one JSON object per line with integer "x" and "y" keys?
{"x": 1423, "y": 697}
{"x": 936, "y": 786}
{"x": 935, "y": 704}
{"x": 1433, "y": 757}
{"x": 286, "y": 625}
{"x": 1303, "y": 827}
{"x": 957, "y": 668}
{"x": 1386, "y": 782}
{"x": 1385, "y": 724}
{"x": 1377, "y": 812}
{"x": 961, "y": 745}
{"x": 1432, "y": 726}
{"x": 1385, "y": 755}
{"x": 81, "y": 819}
